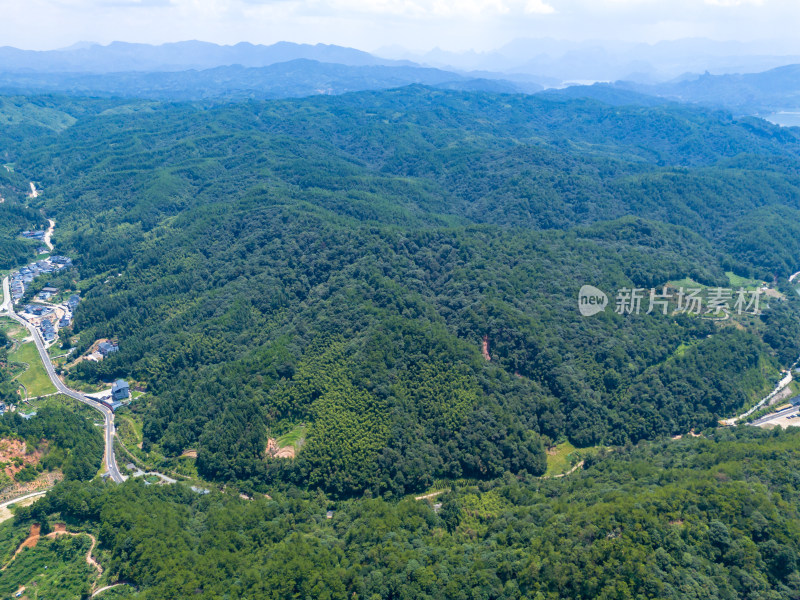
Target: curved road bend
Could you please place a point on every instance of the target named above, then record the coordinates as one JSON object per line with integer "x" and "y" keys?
{"x": 108, "y": 414}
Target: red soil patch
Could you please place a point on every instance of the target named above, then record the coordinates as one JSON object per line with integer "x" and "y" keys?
{"x": 60, "y": 529}
{"x": 11, "y": 449}
{"x": 276, "y": 452}
{"x": 485, "y": 348}
{"x": 33, "y": 537}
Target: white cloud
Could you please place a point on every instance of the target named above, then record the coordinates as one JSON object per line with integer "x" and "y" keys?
{"x": 366, "y": 24}
{"x": 538, "y": 7}
{"x": 735, "y": 3}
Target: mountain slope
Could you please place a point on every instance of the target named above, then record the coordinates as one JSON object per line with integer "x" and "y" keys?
{"x": 333, "y": 265}
{"x": 714, "y": 518}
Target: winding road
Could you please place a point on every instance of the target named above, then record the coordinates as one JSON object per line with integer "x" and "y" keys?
{"x": 49, "y": 234}
{"x": 108, "y": 414}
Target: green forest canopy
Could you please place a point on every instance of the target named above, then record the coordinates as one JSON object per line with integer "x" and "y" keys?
{"x": 337, "y": 261}
{"x": 712, "y": 517}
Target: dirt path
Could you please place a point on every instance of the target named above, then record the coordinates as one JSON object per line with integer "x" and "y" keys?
{"x": 570, "y": 472}
{"x": 30, "y": 542}
{"x": 49, "y": 233}
{"x": 61, "y": 529}
{"x": 431, "y": 495}
{"x": 107, "y": 587}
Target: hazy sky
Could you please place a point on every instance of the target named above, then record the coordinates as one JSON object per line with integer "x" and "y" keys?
{"x": 415, "y": 24}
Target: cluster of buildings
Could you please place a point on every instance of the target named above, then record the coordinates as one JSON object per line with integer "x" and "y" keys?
{"x": 49, "y": 331}
{"x": 34, "y": 235}
{"x": 47, "y": 318}
{"x": 70, "y": 305}
{"x": 26, "y": 275}
{"x": 49, "y": 321}
{"x": 44, "y": 316}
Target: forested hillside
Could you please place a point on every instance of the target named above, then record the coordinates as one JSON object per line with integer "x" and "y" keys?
{"x": 14, "y": 218}
{"x": 335, "y": 265}
{"x": 66, "y": 441}
{"x": 711, "y": 518}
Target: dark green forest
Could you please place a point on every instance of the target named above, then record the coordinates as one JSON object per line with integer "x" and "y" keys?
{"x": 337, "y": 262}
{"x": 706, "y": 518}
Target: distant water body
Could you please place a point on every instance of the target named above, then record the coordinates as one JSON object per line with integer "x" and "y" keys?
{"x": 784, "y": 118}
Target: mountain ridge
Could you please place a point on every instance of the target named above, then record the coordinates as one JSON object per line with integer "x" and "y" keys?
{"x": 177, "y": 56}
{"x": 295, "y": 78}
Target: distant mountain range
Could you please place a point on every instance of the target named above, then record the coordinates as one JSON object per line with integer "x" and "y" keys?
{"x": 200, "y": 70}
{"x": 749, "y": 93}
{"x": 179, "y": 56}
{"x": 554, "y": 62}
{"x": 768, "y": 93}
{"x": 195, "y": 70}
{"x": 295, "y": 78}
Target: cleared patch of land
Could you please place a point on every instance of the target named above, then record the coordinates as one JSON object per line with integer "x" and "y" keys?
{"x": 743, "y": 282}
{"x": 563, "y": 458}
{"x": 287, "y": 445}
{"x": 44, "y": 481}
{"x": 34, "y": 378}
{"x": 13, "y": 330}
{"x": 14, "y": 456}
{"x": 295, "y": 437}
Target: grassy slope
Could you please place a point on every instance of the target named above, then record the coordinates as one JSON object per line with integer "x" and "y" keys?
{"x": 35, "y": 378}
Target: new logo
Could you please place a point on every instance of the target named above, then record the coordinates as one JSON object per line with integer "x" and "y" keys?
{"x": 591, "y": 301}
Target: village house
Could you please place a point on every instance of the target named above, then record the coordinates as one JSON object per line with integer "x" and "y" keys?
{"x": 120, "y": 391}
{"x": 106, "y": 348}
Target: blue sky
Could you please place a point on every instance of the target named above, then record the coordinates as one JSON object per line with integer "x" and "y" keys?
{"x": 416, "y": 24}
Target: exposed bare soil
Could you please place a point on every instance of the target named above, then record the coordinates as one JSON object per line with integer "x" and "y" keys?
{"x": 16, "y": 449}
{"x": 485, "y": 348}
{"x": 275, "y": 451}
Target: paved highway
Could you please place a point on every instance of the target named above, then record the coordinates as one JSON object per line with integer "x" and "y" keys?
{"x": 108, "y": 414}
{"x": 21, "y": 498}
{"x": 783, "y": 418}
